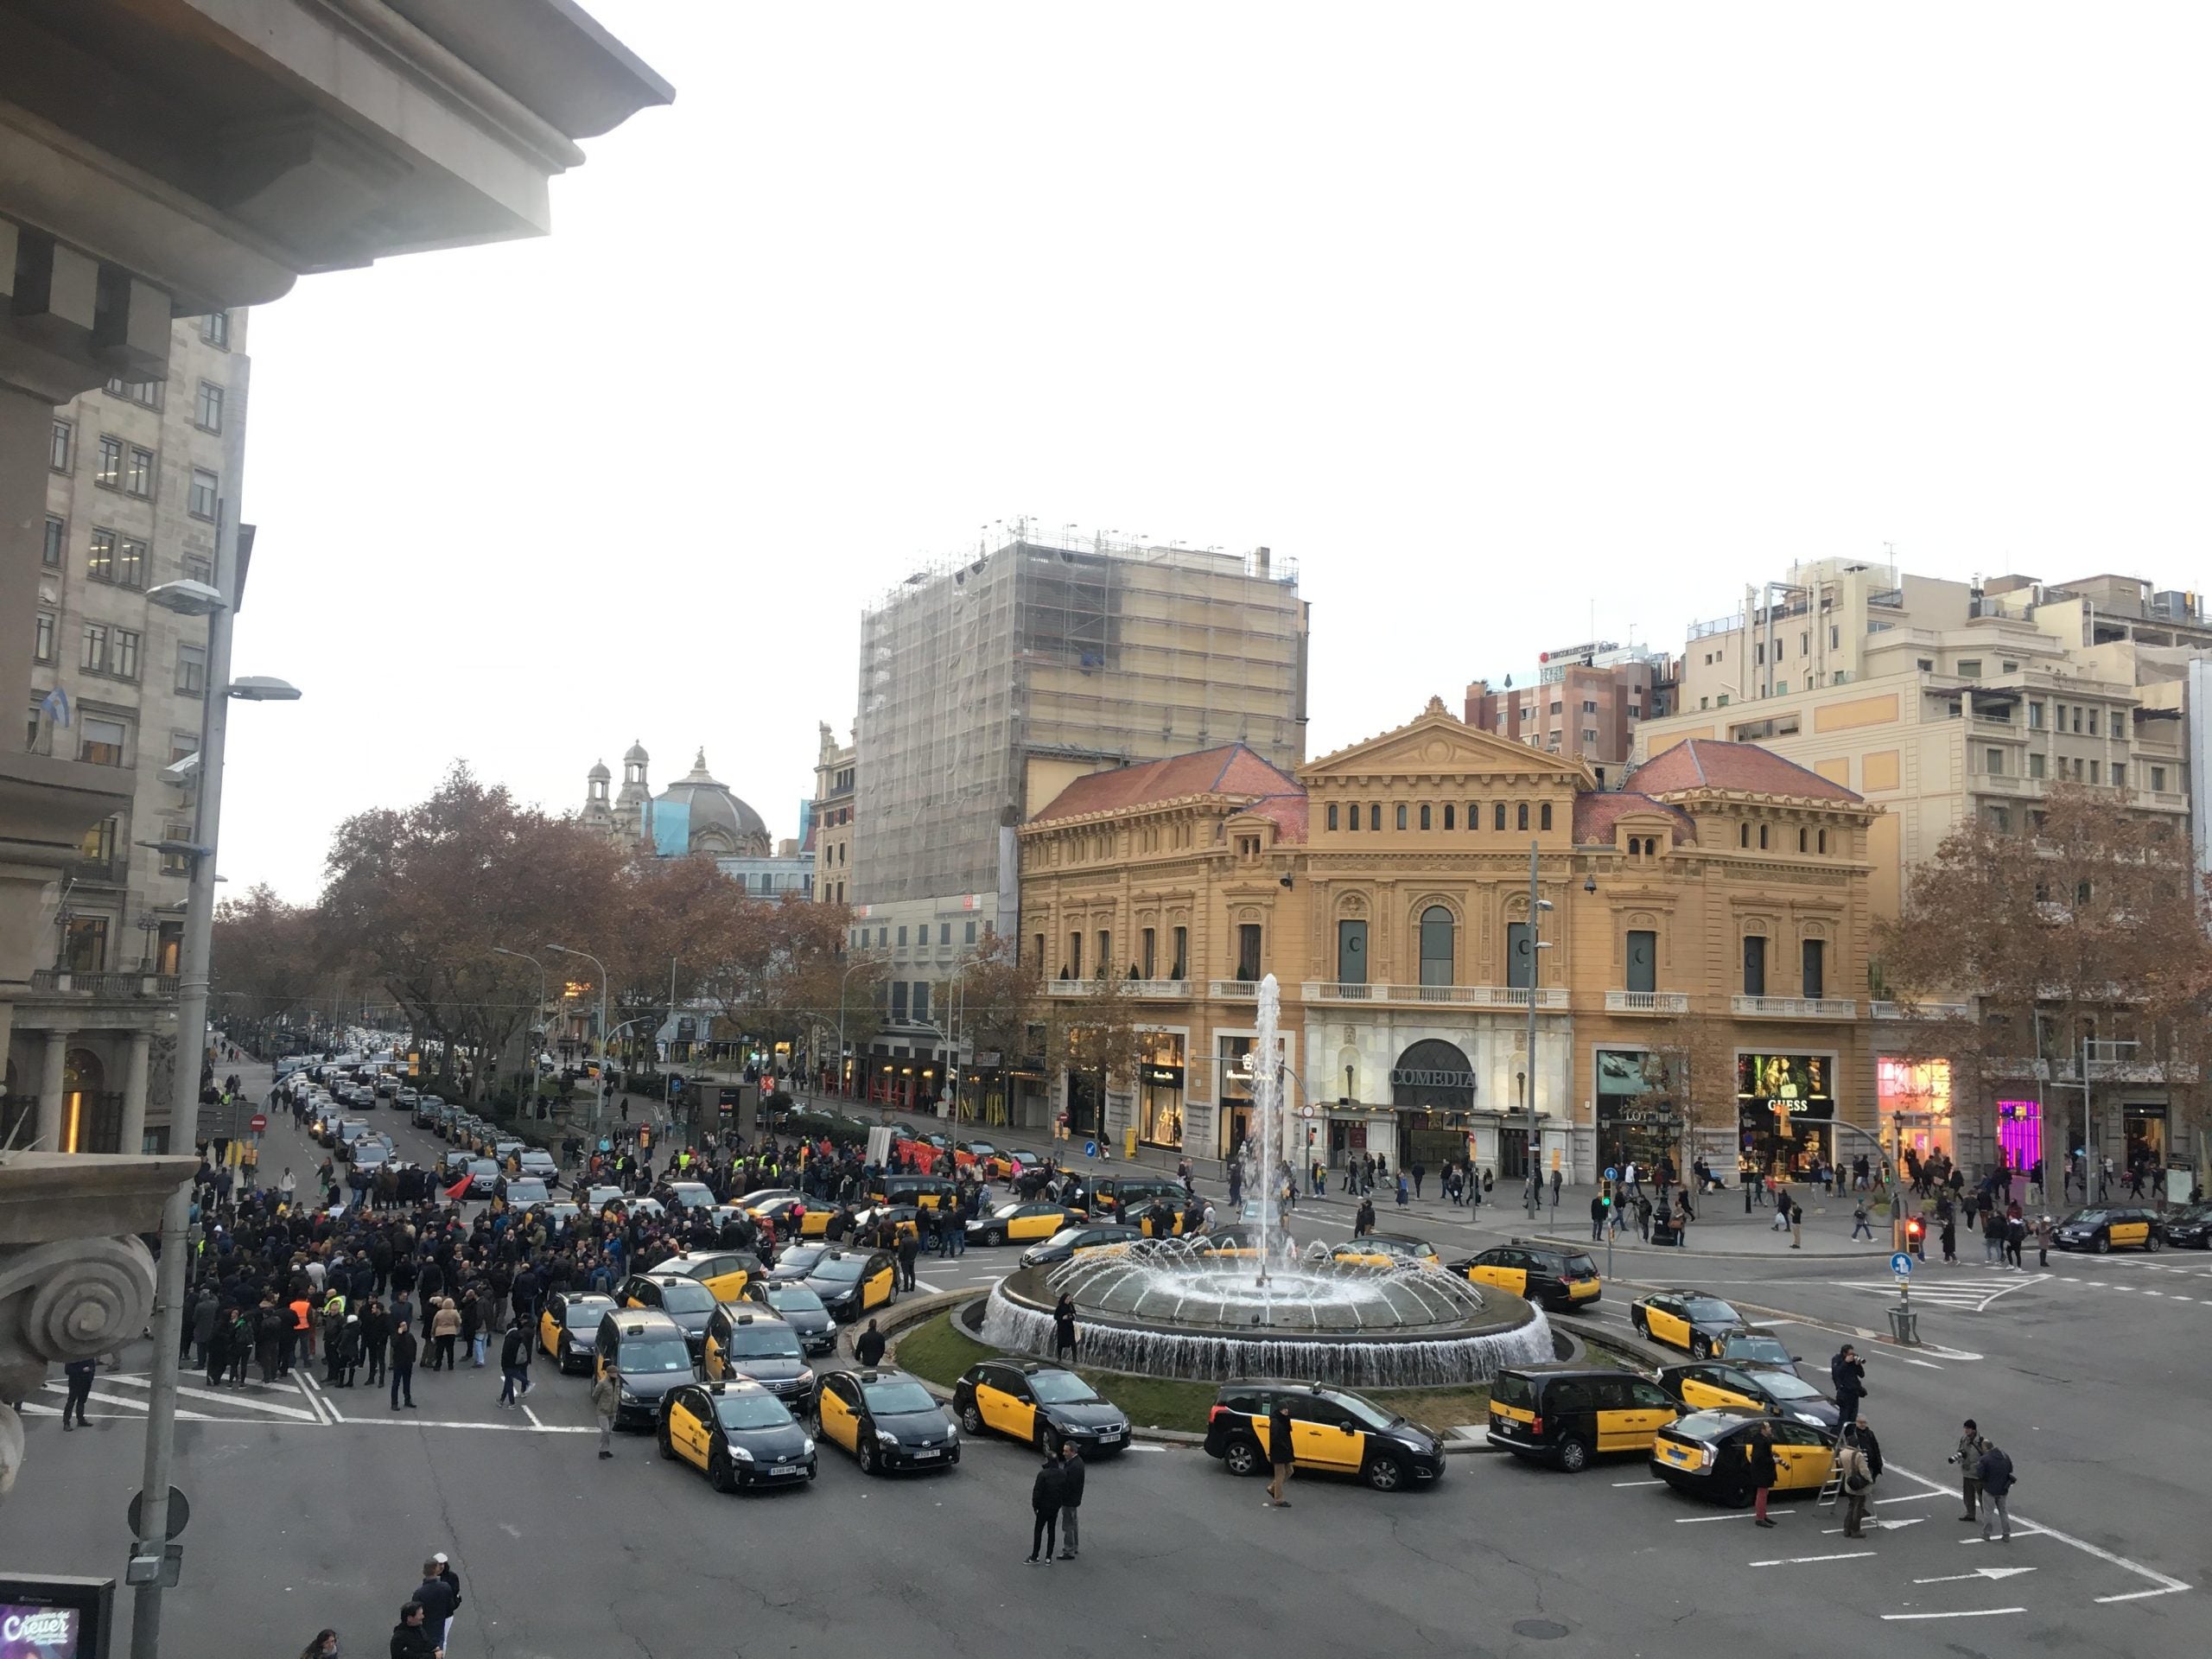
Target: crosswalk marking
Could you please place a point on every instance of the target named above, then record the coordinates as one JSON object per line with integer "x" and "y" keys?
{"x": 1971, "y": 1294}
{"x": 245, "y": 1401}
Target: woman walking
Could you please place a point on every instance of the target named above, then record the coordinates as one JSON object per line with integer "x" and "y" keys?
{"x": 1760, "y": 1453}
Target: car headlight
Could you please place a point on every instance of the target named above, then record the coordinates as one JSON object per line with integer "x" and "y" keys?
{"x": 886, "y": 1437}
{"x": 810, "y": 1446}
{"x": 740, "y": 1454}
{"x": 623, "y": 1390}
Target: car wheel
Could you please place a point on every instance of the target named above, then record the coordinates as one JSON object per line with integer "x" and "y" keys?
{"x": 1386, "y": 1473}
{"x": 1243, "y": 1458}
{"x": 2103, "y": 1246}
{"x": 563, "y": 1358}
{"x": 1046, "y": 1443}
{"x": 667, "y": 1446}
{"x": 1636, "y": 1318}
{"x": 2154, "y": 1244}
{"x": 871, "y": 1460}
{"x": 1738, "y": 1497}
{"x": 719, "y": 1475}
{"x": 971, "y": 1419}
{"x": 1573, "y": 1456}
{"x": 1700, "y": 1346}
{"x": 995, "y": 1236}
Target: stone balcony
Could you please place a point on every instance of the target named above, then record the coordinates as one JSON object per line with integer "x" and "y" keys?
{"x": 1148, "y": 990}
{"x": 1794, "y": 1008}
{"x": 1510, "y": 997}
{"x": 1662, "y": 1002}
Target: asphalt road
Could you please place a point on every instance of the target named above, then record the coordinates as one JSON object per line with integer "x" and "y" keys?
{"x": 314, "y": 1508}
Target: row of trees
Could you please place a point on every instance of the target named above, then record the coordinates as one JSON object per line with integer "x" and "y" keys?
{"x": 437, "y": 908}
{"x": 2089, "y": 925}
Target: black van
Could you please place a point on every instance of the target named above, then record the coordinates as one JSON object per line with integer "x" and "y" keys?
{"x": 1567, "y": 1414}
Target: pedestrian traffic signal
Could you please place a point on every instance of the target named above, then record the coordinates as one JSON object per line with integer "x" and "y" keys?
{"x": 1605, "y": 1193}
{"x": 1912, "y": 1231}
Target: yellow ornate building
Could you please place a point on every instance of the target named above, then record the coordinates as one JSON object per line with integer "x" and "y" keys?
{"x": 1721, "y": 891}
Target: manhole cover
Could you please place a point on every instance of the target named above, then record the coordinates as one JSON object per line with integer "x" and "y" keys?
{"x": 1542, "y": 1629}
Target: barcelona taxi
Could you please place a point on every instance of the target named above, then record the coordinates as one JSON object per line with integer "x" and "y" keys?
{"x": 1777, "y": 1390}
{"x": 1385, "y": 1250}
{"x": 1567, "y": 1414}
{"x": 1708, "y": 1454}
{"x": 1544, "y": 1273}
{"x": 736, "y": 1433}
{"x": 567, "y": 1325}
{"x": 645, "y": 1352}
{"x": 1087, "y": 1239}
{"x": 887, "y": 1419}
{"x": 1687, "y": 1319}
{"x": 854, "y": 1282}
{"x": 746, "y": 1342}
{"x": 1022, "y": 1223}
{"x": 1333, "y": 1430}
{"x": 724, "y": 1273}
{"x": 684, "y": 1300}
{"x": 2109, "y": 1227}
{"x": 1045, "y": 1404}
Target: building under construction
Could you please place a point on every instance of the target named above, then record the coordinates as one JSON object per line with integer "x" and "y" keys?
{"x": 986, "y": 685}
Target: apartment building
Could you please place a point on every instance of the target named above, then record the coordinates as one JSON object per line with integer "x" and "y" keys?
{"x": 831, "y": 822}
{"x": 135, "y": 473}
{"x": 1584, "y": 704}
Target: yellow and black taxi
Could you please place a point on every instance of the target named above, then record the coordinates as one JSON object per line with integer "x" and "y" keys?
{"x": 2190, "y": 1228}
{"x": 1708, "y": 1454}
{"x": 1548, "y": 1275}
{"x": 791, "y": 1214}
{"x": 1124, "y": 1196}
{"x": 800, "y": 1308}
{"x": 1022, "y": 1223}
{"x": 567, "y": 1324}
{"x": 1385, "y": 1250}
{"x": 854, "y": 1282}
{"x": 1777, "y": 1390}
{"x": 904, "y": 1220}
{"x": 724, "y": 1273}
{"x": 1081, "y": 1240}
{"x": 1333, "y": 1430}
{"x": 795, "y": 1261}
{"x": 1756, "y": 1348}
{"x": 1035, "y": 1401}
{"x": 1568, "y": 1415}
{"x": 2109, "y": 1227}
{"x": 923, "y": 1191}
{"x": 737, "y": 1433}
{"x": 887, "y": 1419}
{"x": 683, "y": 1298}
{"x": 645, "y": 1352}
{"x": 1687, "y": 1319}
{"x": 745, "y": 1341}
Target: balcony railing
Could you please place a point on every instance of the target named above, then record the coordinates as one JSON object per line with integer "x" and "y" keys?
{"x": 1164, "y": 990}
{"x": 1647, "y": 1002}
{"x": 1797, "y": 1008}
{"x": 1233, "y": 990}
{"x": 1921, "y": 1010}
{"x": 61, "y": 981}
{"x": 1459, "y": 996}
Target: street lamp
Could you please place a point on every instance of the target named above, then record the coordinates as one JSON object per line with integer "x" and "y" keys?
{"x": 218, "y": 602}
{"x": 598, "y": 1100}
{"x": 1537, "y": 946}
{"x": 501, "y": 950}
{"x": 854, "y": 967}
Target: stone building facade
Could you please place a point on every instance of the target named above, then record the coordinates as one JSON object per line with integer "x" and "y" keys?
{"x": 1387, "y": 888}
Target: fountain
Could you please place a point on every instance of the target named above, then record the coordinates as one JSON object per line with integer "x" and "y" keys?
{"x": 1257, "y": 1305}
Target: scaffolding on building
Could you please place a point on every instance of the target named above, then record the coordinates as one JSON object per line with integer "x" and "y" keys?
{"x": 978, "y": 673}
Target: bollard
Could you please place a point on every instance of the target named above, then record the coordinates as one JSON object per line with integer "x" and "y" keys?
{"x": 1904, "y": 1325}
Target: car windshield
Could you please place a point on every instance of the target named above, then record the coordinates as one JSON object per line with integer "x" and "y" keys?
{"x": 1065, "y": 1236}
{"x": 795, "y": 1299}
{"x": 752, "y": 1411}
{"x": 1787, "y": 1385}
{"x": 763, "y": 1342}
{"x": 2195, "y": 1212}
{"x": 890, "y": 1399}
{"x": 839, "y": 1269}
{"x": 687, "y": 1296}
{"x": 655, "y": 1354}
{"x": 1707, "y": 1307}
{"x": 1060, "y": 1388}
{"x": 584, "y": 1315}
{"x": 1581, "y": 1266}
{"x": 1362, "y": 1412}
{"x": 1709, "y": 1426}
{"x": 1764, "y": 1348}
{"x": 2085, "y": 1217}
{"x": 526, "y": 1192}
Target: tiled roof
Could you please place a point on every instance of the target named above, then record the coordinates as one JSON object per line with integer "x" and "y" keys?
{"x": 1706, "y": 763}
{"x": 1288, "y": 812}
{"x": 1595, "y": 815}
{"x": 1232, "y": 769}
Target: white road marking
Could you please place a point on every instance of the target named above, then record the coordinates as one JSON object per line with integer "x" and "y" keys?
{"x": 227, "y": 1399}
{"x": 1693, "y": 1520}
{"x": 2164, "y": 1585}
{"x": 1639, "y": 1483}
{"x": 532, "y": 1415}
{"x": 1964, "y": 1612}
{"x": 1913, "y": 1497}
{"x": 1979, "y": 1573}
{"x": 1924, "y": 1364}
{"x": 503, "y": 1428}
{"x": 1891, "y": 1526}
{"x": 1799, "y": 1560}
{"x": 131, "y": 1403}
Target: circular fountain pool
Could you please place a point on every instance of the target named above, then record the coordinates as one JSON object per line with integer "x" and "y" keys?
{"x": 1176, "y": 1308}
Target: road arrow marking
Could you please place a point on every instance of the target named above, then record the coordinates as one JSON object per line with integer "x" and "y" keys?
{"x": 1979, "y": 1573}
{"x": 1886, "y": 1526}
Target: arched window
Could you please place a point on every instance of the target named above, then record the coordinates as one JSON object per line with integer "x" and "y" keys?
{"x": 1375, "y": 815}
{"x": 1436, "y": 946}
{"x": 1333, "y": 815}
{"x": 1424, "y": 815}
{"x": 1401, "y": 815}
{"x": 1743, "y": 835}
{"x": 1800, "y": 841}
{"x": 1544, "y": 815}
{"x": 1824, "y": 841}
{"x": 1447, "y": 815}
{"x": 1355, "y": 815}
{"x": 1763, "y": 837}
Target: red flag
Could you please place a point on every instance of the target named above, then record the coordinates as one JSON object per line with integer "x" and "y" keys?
{"x": 459, "y": 1188}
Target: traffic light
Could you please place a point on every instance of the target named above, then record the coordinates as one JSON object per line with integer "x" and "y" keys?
{"x": 1913, "y": 1227}
{"x": 1605, "y": 1193}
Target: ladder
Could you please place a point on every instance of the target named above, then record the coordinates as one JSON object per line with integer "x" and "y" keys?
{"x": 1832, "y": 1488}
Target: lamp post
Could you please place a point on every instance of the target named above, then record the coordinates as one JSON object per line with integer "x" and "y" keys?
{"x": 599, "y": 1099}
{"x": 524, "y": 956}
{"x": 1537, "y": 906}
{"x": 218, "y": 602}
{"x": 852, "y": 968}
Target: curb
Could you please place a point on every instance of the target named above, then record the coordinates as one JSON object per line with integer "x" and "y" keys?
{"x": 1661, "y": 1251}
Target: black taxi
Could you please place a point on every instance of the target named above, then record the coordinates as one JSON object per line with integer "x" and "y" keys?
{"x": 1708, "y": 1454}
{"x": 1687, "y": 1319}
{"x": 887, "y": 1419}
{"x": 1567, "y": 1414}
{"x": 2110, "y": 1227}
{"x": 567, "y": 1324}
{"x": 1550, "y": 1276}
{"x": 1333, "y": 1430}
{"x": 645, "y": 1353}
{"x": 854, "y": 1282}
{"x": 743, "y": 1340}
{"x": 1021, "y": 1222}
{"x": 737, "y": 1435}
{"x": 1072, "y": 1242}
{"x": 1775, "y": 1389}
{"x": 724, "y": 1273}
{"x": 682, "y": 1298}
{"x": 1035, "y": 1401}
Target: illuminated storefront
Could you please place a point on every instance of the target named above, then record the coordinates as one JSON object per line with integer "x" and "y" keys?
{"x": 1160, "y": 1092}
{"x": 2020, "y": 1133}
{"x": 1637, "y": 1123}
{"x": 1432, "y": 1091}
{"x": 1914, "y": 1099}
{"x": 1785, "y": 1112}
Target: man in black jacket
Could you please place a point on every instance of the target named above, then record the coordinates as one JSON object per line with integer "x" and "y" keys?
{"x": 403, "y": 1365}
{"x": 1848, "y": 1372}
{"x": 410, "y": 1639}
{"x": 514, "y": 1362}
{"x": 1070, "y": 1497}
{"x": 1047, "y": 1494}
{"x": 435, "y": 1598}
{"x": 376, "y": 1336}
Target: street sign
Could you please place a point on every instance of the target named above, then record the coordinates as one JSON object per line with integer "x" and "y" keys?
{"x": 257, "y": 1123}
{"x": 1612, "y": 1173}
{"x": 179, "y": 1512}
{"x": 1901, "y": 1264}
{"x": 1091, "y": 1148}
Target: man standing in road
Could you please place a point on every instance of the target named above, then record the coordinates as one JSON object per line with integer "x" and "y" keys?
{"x": 1995, "y": 1471}
{"x": 1045, "y": 1494}
{"x": 81, "y": 1373}
{"x": 1848, "y": 1372}
{"x": 1070, "y": 1497}
{"x": 1597, "y": 1217}
{"x": 411, "y": 1639}
{"x": 514, "y": 1362}
{"x": 909, "y": 1248}
{"x": 1064, "y": 1333}
{"x": 1968, "y": 1458}
{"x": 869, "y": 1348}
{"x": 606, "y": 1393}
{"x": 402, "y": 1366}
{"x": 435, "y": 1597}
{"x": 1281, "y": 1460}
{"x": 1857, "y": 1461}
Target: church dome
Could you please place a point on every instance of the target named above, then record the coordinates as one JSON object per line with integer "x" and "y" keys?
{"x": 717, "y": 821}
{"x": 599, "y": 773}
{"x": 637, "y": 756}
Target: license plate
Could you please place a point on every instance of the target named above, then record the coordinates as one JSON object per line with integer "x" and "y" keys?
{"x": 924, "y": 1457}
{"x": 1677, "y": 1454}
{"x": 1105, "y": 1435}
{"x": 784, "y": 1469}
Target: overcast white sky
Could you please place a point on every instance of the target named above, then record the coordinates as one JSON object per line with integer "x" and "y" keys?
{"x": 1484, "y": 314}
